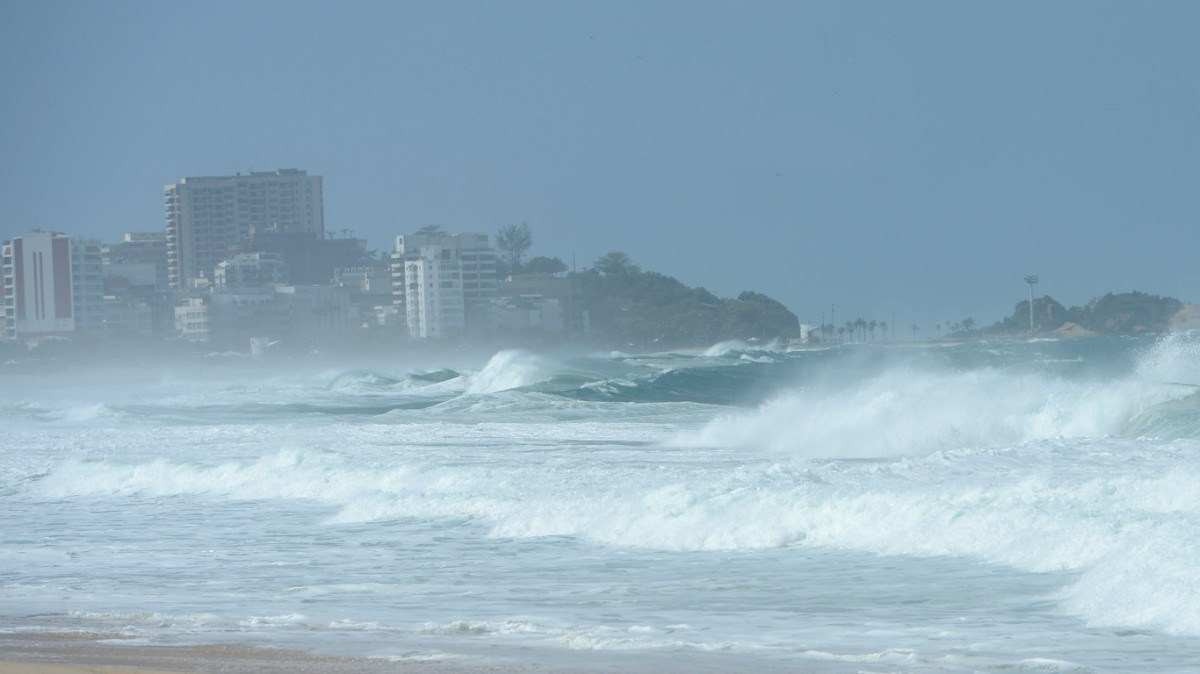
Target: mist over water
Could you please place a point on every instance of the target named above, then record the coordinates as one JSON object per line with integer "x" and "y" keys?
{"x": 978, "y": 507}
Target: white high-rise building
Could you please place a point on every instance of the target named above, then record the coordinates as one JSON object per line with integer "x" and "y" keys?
{"x": 209, "y": 217}
{"x": 434, "y": 293}
{"x": 442, "y": 282}
{"x": 53, "y": 285}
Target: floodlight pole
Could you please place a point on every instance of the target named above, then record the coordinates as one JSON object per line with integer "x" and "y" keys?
{"x": 1032, "y": 280}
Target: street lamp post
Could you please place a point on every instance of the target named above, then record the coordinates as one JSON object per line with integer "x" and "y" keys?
{"x": 1032, "y": 280}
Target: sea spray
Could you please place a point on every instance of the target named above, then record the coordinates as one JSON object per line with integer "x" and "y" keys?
{"x": 508, "y": 370}
{"x": 913, "y": 409}
{"x": 981, "y": 507}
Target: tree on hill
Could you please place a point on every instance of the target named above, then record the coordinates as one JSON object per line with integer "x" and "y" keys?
{"x": 1114, "y": 313}
{"x": 515, "y": 240}
{"x": 544, "y": 265}
{"x": 1128, "y": 313}
{"x": 616, "y": 263}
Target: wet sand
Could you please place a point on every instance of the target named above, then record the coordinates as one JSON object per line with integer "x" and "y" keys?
{"x": 43, "y": 668}
{"x": 86, "y": 653}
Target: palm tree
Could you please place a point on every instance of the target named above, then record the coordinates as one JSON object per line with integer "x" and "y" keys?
{"x": 914, "y": 329}
{"x": 883, "y": 328}
{"x": 871, "y": 326}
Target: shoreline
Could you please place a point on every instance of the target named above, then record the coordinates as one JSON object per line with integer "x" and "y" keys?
{"x": 88, "y": 653}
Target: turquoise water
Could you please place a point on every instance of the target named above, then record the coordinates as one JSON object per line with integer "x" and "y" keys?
{"x": 953, "y": 508}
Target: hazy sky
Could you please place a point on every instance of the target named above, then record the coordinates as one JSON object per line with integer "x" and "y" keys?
{"x": 886, "y": 156}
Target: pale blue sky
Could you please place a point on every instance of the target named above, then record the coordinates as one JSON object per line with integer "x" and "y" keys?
{"x": 887, "y": 156}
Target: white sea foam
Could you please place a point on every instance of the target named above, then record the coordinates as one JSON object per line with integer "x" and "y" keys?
{"x": 1032, "y": 472}
{"x": 508, "y": 370}
{"x": 908, "y": 410}
{"x": 1132, "y": 539}
{"x": 585, "y": 638}
{"x": 721, "y": 349}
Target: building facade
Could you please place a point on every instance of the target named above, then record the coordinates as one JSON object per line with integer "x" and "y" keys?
{"x": 191, "y": 320}
{"x": 53, "y": 285}
{"x": 249, "y": 270}
{"x": 138, "y": 260}
{"x": 138, "y": 301}
{"x": 87, "y": 285}
{"x": 311, "y": 260}
{"x": 208, "y": 218}
{"x": 442, "y": 283}
{"x": 434, "y": 302}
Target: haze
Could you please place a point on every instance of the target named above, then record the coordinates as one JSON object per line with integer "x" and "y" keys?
{"x": 884, "y": 156}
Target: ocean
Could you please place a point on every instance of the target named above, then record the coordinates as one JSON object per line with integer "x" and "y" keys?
{"x": 1029, "y": 506}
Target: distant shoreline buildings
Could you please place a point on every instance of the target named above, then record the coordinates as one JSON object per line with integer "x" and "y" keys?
{"x": 246, "y": 258}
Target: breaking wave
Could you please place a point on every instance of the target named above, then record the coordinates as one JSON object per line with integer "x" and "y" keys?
{"x": 1128, "y": 541}
{"x": 1044, "y": 471}
{"x": 509, "y": 370}
{"x": 911, "y": 409}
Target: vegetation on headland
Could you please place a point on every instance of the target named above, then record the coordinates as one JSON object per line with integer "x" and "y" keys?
{"x": 1129, "y": 313}
{"x": 629, "y": 306}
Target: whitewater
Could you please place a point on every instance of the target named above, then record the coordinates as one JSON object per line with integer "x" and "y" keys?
{"x": 978, "y": 507}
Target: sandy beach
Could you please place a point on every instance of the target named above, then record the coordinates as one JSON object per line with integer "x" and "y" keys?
{"x": 45, "y": 668}
{"x": 87, "y": 653}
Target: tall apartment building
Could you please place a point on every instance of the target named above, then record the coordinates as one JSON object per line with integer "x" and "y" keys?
{"x": 53, "y": 285}
{"x": 209, "y": 217}
{"x": 442, "y": 282}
